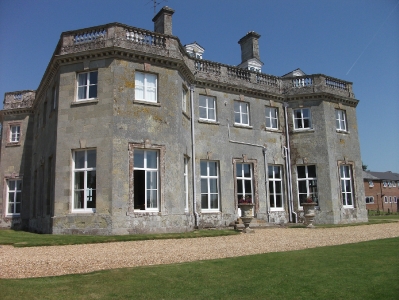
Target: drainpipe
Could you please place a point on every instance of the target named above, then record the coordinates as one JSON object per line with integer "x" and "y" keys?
{"x": 193, "y": 157}
{"x": 288, "y": 168}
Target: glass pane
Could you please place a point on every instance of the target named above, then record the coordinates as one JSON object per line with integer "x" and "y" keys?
{"x": 138, "y": 158}
{"x": 342, "y": 185}
{"x": 10, "y": 207}
{"x": 277, "y": 173}
{"x": 211, "y": 103}
{"x": 279, "y": 202}
{"x": 237, "y": 118}
{"x": 202, "y": 112}
{"x": 212, "y": 168}
{"x": 298, "y": 123}
{"x": 245, "y": 119}
{"x": 203, "y": 166}
{"x": 239, "y": 187}
{"x": 204, "y": 186}
{"x": 82, "y": 79}
{"x": 18, "y": 197}
{"x": 306, "y": 123}
{"x": 247, "y": 170}
{"x": 348, "y": 199}
{"x": 93, "y": 77}
{"x": 11, "y": 197}
{"x": 79, "y": 199}
{"x": 19, "y": 184}
{"x": 348, "y": 186}
{"x": 139, "y": 92}
{"x": 204, "y": 201}
{"x": 152, "y": 199}
{"x": 270, "y": 171}
{"x": 79, "y": 159}
{"x": 91, "y": 179}
{"x": 271, "y": 187}
{"x": 139, "y": 79}
{"x": 18, "y": 208}
{"x": 268, "y": 123}
{"x": 91, "y": 158}
{"x": 91, "y": 198}
{"x": 239, "y": 170}
{"x": 301, "y": 171}
{"x": 214, "y": 201}
{"x": 152, "y": 159}
{"x": 312, "y": 171}
{"x": 274, "y": 125}
{"x": 336, "y": 114}
{"x": 211, "y": 113}
{"x": 152, "y": 180}
{"x": 298, "y": 114}
{"x": 268, "y": 112}
{"x": 202, "y": 101}
{"x": 306, "y": 113}
{"x": 236, "y": 107}
{"x": 337, "y": 124}
{"x": 79, "y": 180}
{"x": 93, "y": 91}
{"x": 248, "y": 187}
{"x": 244, "y": 108}
{"x": 278, "y": 187}
{"x": 11, "y": 185}
{"x": 82, "y": 92}
{"x": 213, "y": 185}
{"x": 151, "y": 81}
{"x": 272, "y": 201}
{"x": 302, "y": 187}
{"x": 151, "y": 95}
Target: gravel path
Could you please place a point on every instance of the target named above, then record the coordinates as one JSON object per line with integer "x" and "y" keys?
{"x": 61, "y": 260}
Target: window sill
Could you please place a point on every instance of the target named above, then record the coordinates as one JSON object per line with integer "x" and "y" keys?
{"x": 84, "y": 102}
{"x": 342, "y": 131}
{"x": 146, "y": 103}
{"x": 243, "y": 126}
{"x": 11, "y": 216}
{"x": 277, "y": 210}
{"x": 210, "y": 212}
{"x": 83, "y": 211}
{"x": 273, "y": 129}
{"x": 303, "y": 130}
{"x": 208, "y": 122}
{"x": 13, "y": 144}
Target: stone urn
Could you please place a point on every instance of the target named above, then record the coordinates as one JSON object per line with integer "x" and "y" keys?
{"x": 246, "y": 216}
{"x": 309, "y": 214}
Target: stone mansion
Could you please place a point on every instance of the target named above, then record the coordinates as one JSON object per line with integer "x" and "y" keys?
{"x": 176, "y": 140}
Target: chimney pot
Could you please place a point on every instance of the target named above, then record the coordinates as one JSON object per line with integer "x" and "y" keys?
{"x": 163, "y": 20}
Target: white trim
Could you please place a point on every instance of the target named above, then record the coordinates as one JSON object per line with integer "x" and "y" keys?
{"x": 346, "y": 177}
{"x": 87, "y": 86}
{"x": 207, "y": 108}
{"x": 269, "y": 115}
{"x": 308, "y": 180}
{"x": 241, "y": 110}
{"x": 273, "y": 181}
{"x": 15, "y": 192}
{"x": 302, "y": 119}
{"x": 146, "y": 87}
{"x": 208, "y": 179}
{"x": 340, "y": 120}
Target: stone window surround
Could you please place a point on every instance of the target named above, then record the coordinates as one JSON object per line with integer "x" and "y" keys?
{"x": 354, "y": 188}
{"x": 8, "y": 134}
{"x": 161, "y": 169}
{"x": 255, "y": 191}
{"x": 12, "y": 176}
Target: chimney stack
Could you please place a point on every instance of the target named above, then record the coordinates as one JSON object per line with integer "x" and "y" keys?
{"x": 163, "y": 20}
{"x": 249, "y": 46}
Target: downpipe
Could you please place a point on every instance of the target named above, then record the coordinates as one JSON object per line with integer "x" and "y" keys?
{"x": 194, "y": 178}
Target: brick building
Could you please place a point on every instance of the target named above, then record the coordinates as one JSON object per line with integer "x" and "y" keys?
{"x": 130, "y": 131}
{"x": 381, "y": 191}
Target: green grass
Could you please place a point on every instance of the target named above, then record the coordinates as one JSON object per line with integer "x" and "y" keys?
{"x": 367, "y": 270}
{"x": 28, "y": 239}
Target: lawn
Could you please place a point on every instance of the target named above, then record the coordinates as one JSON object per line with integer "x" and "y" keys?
{"x": 367, "y": 270}
{"x": 28, "y": 239}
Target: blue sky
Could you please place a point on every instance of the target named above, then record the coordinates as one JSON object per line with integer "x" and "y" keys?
{"x": 354, "y": 40}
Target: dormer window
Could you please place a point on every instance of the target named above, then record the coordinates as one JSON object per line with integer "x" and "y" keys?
{"x": 194, "y": 50}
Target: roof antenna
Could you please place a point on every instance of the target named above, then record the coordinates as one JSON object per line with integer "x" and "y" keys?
{"x": 156, "y": 3}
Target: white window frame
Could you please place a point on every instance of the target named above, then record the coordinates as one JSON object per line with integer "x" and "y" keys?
{"x": 384, "y": 183}
{"x": 389, "y": 183}
{"x": 241, "y": 110}
{"x": 385, "y": 199}
{"x": 87, "y": 192}
{"x": 185, "y": 178}
{"x": 346, "y": 190}
{"x": 15, "y": 133}
{"x": 144, "y": 86}
{"x": 395, "y": 199}
{"x": 88, "y": 85}
{"x": 340, "y": 120}
{"x": 13, "y": 202}
{"x": 207, "y": 179}
{"x": 149, "y": 206}
{"x": 393, "y": 183}
{"x": 369, "y": 200}
{"x": 271, "y": 114}
{"x": 273, "y": 182}
{"x": 311, "y": 186}
{"x": 390, "y": 199}
{"x": 207, "y": 108}
{"x": 241, "y": 177}
{"x": 302, "y": 119}
{"x": 371, "y": 183}
{"x": 184, "y": 99}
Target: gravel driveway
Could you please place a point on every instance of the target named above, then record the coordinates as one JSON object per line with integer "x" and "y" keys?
{"x": 61, "y": 260}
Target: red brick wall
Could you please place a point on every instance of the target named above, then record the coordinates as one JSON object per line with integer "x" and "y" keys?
{"x": 378, "y": 191}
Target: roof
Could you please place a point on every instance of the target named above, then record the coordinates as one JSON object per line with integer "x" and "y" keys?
{"x": 296, "y": 72}
{"x": 368, "y": 176}
{"x": 385, "y": 175}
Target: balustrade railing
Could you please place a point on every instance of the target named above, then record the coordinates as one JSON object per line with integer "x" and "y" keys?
{"x": 145, "y": 37}
{"x": 206, "y": 66}
{"x": 336, "y": 84}
{"x": 89, "y": 36}
{"x": 303, "y": 81}
{"x": 267, "y": 80}
{"x": 239, "y": 73}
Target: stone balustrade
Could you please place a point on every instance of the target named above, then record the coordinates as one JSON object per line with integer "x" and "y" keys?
{"x": 18, "y": 99}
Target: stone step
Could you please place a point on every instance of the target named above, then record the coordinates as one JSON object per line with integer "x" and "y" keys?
{"x": 255, "y": 223}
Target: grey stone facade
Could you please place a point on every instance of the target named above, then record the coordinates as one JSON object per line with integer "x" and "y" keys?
{"x": 57, "y": 124}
